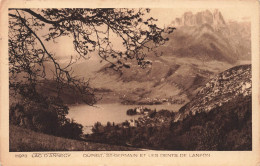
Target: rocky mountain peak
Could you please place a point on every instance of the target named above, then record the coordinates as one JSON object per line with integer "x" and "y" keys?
{"x": 214, "y": 19}
{"x": 218, "y": 18}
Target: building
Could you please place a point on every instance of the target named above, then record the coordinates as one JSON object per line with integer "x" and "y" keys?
{"x": 133, "y": 123}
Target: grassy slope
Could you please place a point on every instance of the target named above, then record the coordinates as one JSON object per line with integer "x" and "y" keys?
{"x": 27, "y": 140}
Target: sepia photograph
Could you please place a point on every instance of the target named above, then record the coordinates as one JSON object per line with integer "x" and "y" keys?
{"x": 122, "y": 79}
{"x": 130, "y": 79}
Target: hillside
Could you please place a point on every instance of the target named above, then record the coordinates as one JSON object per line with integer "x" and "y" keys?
{"x": 24, "y": 140}
{"x": 68, "y": 94}
{"x": 225, "y": 87}
{"x": 225, "y": 127}
{"x": 183, "y": 76}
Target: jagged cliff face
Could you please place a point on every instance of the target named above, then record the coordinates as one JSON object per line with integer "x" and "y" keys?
{"x": 225, "y": 87}
{"x": 205, "y": 17}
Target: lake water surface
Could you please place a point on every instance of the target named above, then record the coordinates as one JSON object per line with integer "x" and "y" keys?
{"x": 113, "y": 112}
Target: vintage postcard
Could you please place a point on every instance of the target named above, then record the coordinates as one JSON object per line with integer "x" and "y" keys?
{"x": 129, "y": 83}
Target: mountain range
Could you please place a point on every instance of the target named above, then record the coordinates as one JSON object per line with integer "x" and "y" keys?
{"x": 208, "y": 36}
{"x": 203, "y": 45}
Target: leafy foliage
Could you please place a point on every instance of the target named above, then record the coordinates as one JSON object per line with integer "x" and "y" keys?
{"x": 44, "y": 114}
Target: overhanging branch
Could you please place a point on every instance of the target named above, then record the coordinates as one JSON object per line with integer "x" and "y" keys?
{"x": 38, "y": 16}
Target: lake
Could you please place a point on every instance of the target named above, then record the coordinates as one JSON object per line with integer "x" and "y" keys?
{"x": 113, "y": 112}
